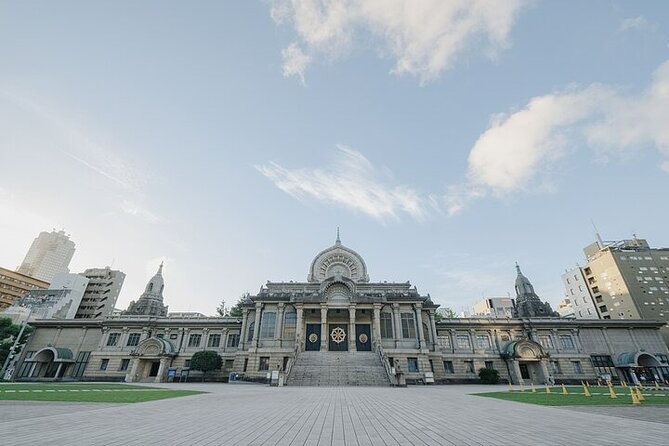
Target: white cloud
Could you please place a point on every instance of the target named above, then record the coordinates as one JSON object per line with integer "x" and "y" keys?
{"x": 519, "y": 147}
{"x": 294, "y": 61}
{"x": 422, "y": 37}
{"x": 639, "y": 22}
{"x": 353, "y": 182}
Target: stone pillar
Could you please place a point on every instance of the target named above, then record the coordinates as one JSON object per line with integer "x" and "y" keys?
{"x": 242, "y": 334}
{"x": 397, "y": 331}
{"x": 103, "y": 340}
{"x": 472, "y": 339}
{"x": 224, "y": 339}
{"x": 324, "y": 328}
{"x": 161, "y": 370}
{"x": 433, "y": 328}
{"x": 204, "y": 343}
{"x": 124, "y": 338}
{"x": 60, "y": 367}
{"x": 351, "y": 329}
{"x": 453, "y": 339}
{"x": 278, "y": 332}
{"x": 545, "y": 371}
{"x": 556, "y": 340}
{"x": 376, "y": 324}
{"x": 419, "y": 323}
{"x": 256, "y": 326}
{"x": 299, "y": 329}
{"x": 134, "y": 370}
{"x": 515, "y": 368}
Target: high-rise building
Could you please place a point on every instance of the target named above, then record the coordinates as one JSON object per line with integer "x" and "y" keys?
{"x": 494, "y": 307}
{"x": 566, "y": 308}
{"x": 628, "y": 280}
{"x": 49, "y": 254}
{"x": 104, "y": 286}
{"x": 15, "y": 285}
{"x": 150, "y": 303}
{"x": 578, "y": 294}
{"x": 528, "y": 304}
{"x": 60, "y": 301}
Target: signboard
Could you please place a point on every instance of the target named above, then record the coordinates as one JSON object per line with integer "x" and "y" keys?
{"x": 171, "y": 373}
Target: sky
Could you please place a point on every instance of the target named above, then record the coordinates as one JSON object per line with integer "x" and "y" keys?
{"x": 447, "y": 140}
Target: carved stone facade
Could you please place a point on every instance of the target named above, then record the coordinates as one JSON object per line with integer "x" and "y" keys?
{"x": 338, "y": 309}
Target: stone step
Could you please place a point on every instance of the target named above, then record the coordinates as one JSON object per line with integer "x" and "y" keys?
{"x": 338, "y": 369}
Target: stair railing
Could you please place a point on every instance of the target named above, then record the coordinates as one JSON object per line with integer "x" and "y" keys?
{"x": 292, "y": 361}
{"x": 385, "y": 362}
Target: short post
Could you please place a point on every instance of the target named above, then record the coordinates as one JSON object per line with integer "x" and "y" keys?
{"x": 612, "y": 392}
{"x": 564, "y": 390}
{"x": 586, "y": 391}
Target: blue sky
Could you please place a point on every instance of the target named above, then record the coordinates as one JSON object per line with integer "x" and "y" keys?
{"x": 448, "y": 140}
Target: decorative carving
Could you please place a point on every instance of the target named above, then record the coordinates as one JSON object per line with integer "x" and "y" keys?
{"x": 338, "y": 335}
{"x": 313, "y": 338}
{"x": 363, "y": 338}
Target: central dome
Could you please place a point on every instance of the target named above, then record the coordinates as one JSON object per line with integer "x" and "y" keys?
{"x": 338, "y": 261}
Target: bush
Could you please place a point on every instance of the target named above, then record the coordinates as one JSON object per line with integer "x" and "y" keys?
{"x": 489, "y": 376}
{"x": 206, "y": 361}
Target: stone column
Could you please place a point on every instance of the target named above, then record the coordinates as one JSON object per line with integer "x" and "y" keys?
{"x": 376, "y": 324}
{"x": 124, "y": 338}
{"x": 556, "y": 340}
{"x": 161, "y": 370}
{"x": 256, "y": 326}
{"x": 299, "y": 329}
{"x": 545, "y": 371}
{"x": 103, "y": 340}
{"x": 433, "y": 328}
{"x": 132, "y": 376}
{"x": 419, "y": 323}
{"x": 324, "y": 328}
{"x": 242, "y": 334}
{"x": 453, "y": 339}
{"x": 224, "y": 339}
{"x": 515, "y": 367}
{"x": 278, "y": 332}
{"x": 397, "y": 331}
{"x": 205, "y": 340}
{"x": 60, "y": 367}
{"x": 472, "y": 339}
{"x": 351, "y": 329}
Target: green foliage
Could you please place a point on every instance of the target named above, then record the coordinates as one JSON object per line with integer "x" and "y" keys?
{"x": 8, "y": 332}
{"x": 206, "y": 361}
{"x": 234, "y": 311}
{"x": 489, "y": 376}
{"x": 444, "y": 313}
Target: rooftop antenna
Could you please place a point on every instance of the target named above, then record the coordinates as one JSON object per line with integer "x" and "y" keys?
{"x": 600, "y": 242}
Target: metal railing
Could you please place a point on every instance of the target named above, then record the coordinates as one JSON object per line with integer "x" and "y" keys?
{"x": 292, "y": 361}
{"x": 384, "y": 361}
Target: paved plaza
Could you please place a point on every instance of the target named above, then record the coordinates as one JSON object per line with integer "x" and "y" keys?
{"x": 254, "y": 414}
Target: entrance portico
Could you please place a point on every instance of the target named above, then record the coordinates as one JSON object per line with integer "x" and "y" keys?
{"x": 151, "y": 360}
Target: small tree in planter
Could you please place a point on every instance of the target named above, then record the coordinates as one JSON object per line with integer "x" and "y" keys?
{"x": 206, "y": 361}
{"x": 489, "y": 376}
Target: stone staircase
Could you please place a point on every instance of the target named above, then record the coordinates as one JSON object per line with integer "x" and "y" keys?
{"x": 338, "y": 369}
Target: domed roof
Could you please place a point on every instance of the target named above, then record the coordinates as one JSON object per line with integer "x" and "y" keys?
{"x": 338, "y": 260}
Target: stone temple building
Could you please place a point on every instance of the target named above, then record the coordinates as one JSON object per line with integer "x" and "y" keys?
{"x": 528, "y": 304}
{"x": 340, "y": 328}
{"x": 150, "y": 303}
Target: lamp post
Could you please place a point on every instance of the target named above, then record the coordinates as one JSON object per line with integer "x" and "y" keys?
{"x": 12, "y": 349}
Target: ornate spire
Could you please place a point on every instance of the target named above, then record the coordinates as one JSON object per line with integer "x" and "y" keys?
{"x": 518, "y": 269}
{"x": 160, "y": 269}
{"x": 338, "y": 241}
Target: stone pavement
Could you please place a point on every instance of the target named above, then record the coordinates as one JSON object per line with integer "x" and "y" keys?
{"x": 254, "y": 414}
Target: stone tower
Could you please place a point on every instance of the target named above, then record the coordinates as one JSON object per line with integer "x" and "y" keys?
{"x": 528, "y": 304}
{"x": 150, "y": 303}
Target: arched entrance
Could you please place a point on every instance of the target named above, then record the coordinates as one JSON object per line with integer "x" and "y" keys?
{"x": 527, "y": 362}
{"x": 50, "y": 363}
{"x": 151, "y": 360}
{"x": 641, "y": 367}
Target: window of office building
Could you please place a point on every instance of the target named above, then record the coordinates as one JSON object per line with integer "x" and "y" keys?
{"x": 194, "y": 340}
{"x": 104, "y": 363}
{"x": 408, "y": 326}
{"x": 386, "y": 325}
{"x": 113, "y": 338}
{"x": 133, "y": 339}
{"x": 214, "y": 340}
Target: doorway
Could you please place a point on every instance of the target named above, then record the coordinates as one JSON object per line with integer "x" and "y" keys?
{"x": 312, "y": 341}
{"x": 338, "y": 338}
{"x": 524, "y": 371}
{"x": 363, "y": 338}
{"x": 155, "y": 366}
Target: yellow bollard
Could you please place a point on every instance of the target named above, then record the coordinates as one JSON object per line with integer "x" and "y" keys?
{"x": 612, "y": 392}
{"x": 635, "y": 398}
{"x": 564, "y": 390}
{"x": 657, "y": 386}
{"x": 640, "y": 396}
{"x": 599, "y": 382}
{"x": 586, "y": 391}
{"x": 534, "y": 390}
{"x": 548, "y": 389}
{"x": 587, "y": 384}
{"x": 522, "y": 387}
{"x": 623, "y": 383}
{"x": 510, "y": 388}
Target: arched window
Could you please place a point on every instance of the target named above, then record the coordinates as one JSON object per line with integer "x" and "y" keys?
{"x": 289, "y": 323}
{"x": 386, "y": 325}
{"x": 150, "y": 287}
{"x": 252, "y": 326}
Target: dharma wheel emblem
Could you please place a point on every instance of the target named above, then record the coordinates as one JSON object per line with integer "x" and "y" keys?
{"x": 363, "y": 338}
{"x": 313, "y": 337}
{"x": 338, "y": 335}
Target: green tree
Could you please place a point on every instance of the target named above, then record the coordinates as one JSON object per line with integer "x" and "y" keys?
{"x": 489, "y": 376}
{"x": 233, "y": 311}
{"x": 222, "y": 310}
{"x": 206, "y": 361}
{"x": 444, "y": 313}
{"x": 8, "y": 332}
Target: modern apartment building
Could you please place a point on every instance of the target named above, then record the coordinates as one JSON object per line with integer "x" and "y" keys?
{"x": 15, "y": 285}
{"x": 494, "y": 307}
{"x": 578, "y": 294}
{"x": 49, "y": 254}
{"x": 104, "y": 286}
{"x": 629, "y": 280}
